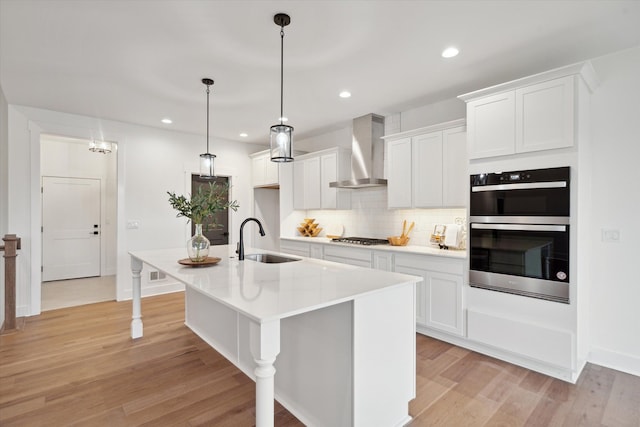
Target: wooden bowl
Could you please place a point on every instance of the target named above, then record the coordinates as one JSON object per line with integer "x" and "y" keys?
{"x": 398, "y": 240}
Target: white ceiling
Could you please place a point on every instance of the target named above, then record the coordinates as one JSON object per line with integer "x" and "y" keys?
{"x": 139, "y": 61}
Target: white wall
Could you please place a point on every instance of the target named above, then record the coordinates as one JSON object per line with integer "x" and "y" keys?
{"x": 4, "y": 169}
{"x": 151, "y": 161}
{"x": 615, "y": 322}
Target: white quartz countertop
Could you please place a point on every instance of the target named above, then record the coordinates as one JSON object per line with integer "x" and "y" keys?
{"x": 265, "y": 292}
{"x": 409, "y": 249}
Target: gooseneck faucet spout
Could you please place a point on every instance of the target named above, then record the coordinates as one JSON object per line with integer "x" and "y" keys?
{"x": 240, "y": 250}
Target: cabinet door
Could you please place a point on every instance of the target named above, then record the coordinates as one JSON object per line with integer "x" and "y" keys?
{"x": 329, "y": 173}
{"x": 258, "y": 165}
{"x": 271, "y": 175}
{"x": 427, "y": 170}
{"x": 383, "y": 260}
{"x": 421, "y": 290}
{"x": 491, "y": 125}
{"x": 455, "y": 178}
{"x": 443, "y": 302}
{"x": 298, "y": 184}
{"x": 399, "y": 173}
{"x": 312, "y": 183}
{"x": 545, "y": 115}
{"x": 315, "y": 251}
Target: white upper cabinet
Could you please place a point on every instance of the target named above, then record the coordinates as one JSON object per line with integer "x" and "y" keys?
{"x": 544, "y": 116}
{"x": 312, "y": 174}
{"x": 426, "y": 168}
{"x": 264, "y": 172}
{"x": 491, "y": 126}
{"x": 399, "y": 178}
{"x": 455, "y": 177}
{"x": 531, "y": 114}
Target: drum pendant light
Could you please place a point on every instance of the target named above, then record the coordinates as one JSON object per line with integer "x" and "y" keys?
{"x": 280, "y": 139}
{"x": 206, "y": 159}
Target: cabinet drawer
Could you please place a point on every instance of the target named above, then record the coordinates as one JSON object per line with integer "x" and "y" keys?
{"x": 431, "y": 263}
{"x": 359, "y": 257}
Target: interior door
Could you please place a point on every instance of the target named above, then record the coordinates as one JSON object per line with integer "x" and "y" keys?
{"x": 220, "y": 235}
{"x": 70, "y": 228}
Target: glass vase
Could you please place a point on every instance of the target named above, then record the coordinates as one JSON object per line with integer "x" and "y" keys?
{"x": 198, "y": 246}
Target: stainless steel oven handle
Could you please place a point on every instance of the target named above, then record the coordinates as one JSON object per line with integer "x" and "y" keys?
{"x": 520, "y": 227}
{"x": 520, "y": 186}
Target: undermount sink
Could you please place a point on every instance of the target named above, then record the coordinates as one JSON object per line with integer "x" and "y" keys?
{"x": 270, "y": 258}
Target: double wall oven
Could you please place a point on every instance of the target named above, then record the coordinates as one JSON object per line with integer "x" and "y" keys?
{"x": 519, "y": 232}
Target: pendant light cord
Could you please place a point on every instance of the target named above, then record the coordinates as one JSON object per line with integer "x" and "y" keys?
{"x": 281, "y": 73}
{"x": 207, "y": 119}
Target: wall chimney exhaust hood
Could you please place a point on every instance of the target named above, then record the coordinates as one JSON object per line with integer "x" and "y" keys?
{"x": 367, "y": 154}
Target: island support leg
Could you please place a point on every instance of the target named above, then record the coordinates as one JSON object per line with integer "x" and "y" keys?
{"x": 265, "y": 346}
{"x": 136, "y": 318}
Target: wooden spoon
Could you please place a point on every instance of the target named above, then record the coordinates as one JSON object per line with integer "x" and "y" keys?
{"x": 410, "y": 228}
{"x": 404, "y": 227}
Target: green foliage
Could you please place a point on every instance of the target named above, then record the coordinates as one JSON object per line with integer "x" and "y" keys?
{"x": 204, "y": 204}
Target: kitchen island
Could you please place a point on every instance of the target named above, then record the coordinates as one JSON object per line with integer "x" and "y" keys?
{"x": 342, "y": 338}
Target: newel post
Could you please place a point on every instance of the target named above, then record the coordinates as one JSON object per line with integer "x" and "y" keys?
{"x": 11, "y": 245}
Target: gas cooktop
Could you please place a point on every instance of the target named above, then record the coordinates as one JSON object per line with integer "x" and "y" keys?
{"x": 361, "y": 241}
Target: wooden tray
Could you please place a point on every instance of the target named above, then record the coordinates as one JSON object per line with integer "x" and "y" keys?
{"x": 209, "y": 261}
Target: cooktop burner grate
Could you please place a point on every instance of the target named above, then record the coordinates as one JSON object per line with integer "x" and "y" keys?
{"x": 361, "y": 241}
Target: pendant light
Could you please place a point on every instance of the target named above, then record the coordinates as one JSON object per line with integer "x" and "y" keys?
{"x": 206, "y": 159}
{"x": 280, "y": 140}
{"x": 104, "y": 147}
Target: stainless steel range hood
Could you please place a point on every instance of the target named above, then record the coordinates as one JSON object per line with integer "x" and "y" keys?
{"x": 367, "y": 154}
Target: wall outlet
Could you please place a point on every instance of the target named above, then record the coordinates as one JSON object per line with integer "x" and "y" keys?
{"x": 610, "y": 235}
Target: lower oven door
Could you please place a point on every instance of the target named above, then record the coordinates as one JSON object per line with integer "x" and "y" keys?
{"x": 524, "y": 259}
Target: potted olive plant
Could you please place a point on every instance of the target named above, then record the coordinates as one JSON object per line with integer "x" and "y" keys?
{"x": 207, "y": 201}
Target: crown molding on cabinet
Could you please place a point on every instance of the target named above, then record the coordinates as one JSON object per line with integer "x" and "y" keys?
{"x": 584, "y": 69}
{"x": 427, "y": 129}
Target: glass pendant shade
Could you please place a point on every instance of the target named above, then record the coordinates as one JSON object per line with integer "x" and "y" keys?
{"x": 280, "y": 143}
{"x": 206, "y": 165}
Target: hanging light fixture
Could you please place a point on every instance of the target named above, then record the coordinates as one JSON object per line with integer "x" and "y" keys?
{"x": 103, "y": 147}
{"x": 206, "y": 159}
{"x": 280, "y": 141}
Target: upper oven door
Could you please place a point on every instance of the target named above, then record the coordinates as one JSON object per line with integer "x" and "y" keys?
{"x": 538, "y": 193}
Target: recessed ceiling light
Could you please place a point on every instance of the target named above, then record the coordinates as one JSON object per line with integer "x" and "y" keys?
{"x": 167, "y": 121}
{"x": 450, "y": 52}
{"x": 345, "y": 94}
{"x": 244, "y": 135}
{"x": 283, "y": 119}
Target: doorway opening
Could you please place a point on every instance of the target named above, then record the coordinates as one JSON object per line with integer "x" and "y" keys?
{"x": 79, "y": 223}
{"x": 219, "y": 235}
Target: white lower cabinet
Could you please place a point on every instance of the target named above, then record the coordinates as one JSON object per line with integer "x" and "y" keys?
{"x": 439, "y": 302}
{"x": 295, "y": 248}
{"x": 347, "y": 255}
{"x": 383, "y": 260}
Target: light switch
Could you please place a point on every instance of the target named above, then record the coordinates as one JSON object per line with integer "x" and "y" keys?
{"x": 133, "y": 224}
{"x": 610, "y": 235}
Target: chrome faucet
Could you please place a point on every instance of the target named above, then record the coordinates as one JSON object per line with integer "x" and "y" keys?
{"x": 240, "y": 249}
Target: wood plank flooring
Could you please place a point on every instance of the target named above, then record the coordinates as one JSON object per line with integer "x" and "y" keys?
{"x": 78, "y": 367}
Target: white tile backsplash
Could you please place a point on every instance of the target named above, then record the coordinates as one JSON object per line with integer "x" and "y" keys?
{"x": 369, "y": 217}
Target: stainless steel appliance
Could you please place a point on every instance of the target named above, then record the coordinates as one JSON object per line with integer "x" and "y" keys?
{"x": 519, "y": 232}
{"x": 366, "y": 241}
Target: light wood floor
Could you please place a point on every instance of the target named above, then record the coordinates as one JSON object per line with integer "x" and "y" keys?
{"x": 78, "y": 367}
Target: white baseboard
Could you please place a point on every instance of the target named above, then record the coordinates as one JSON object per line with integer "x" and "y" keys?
{"x": 619, "y": 361}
